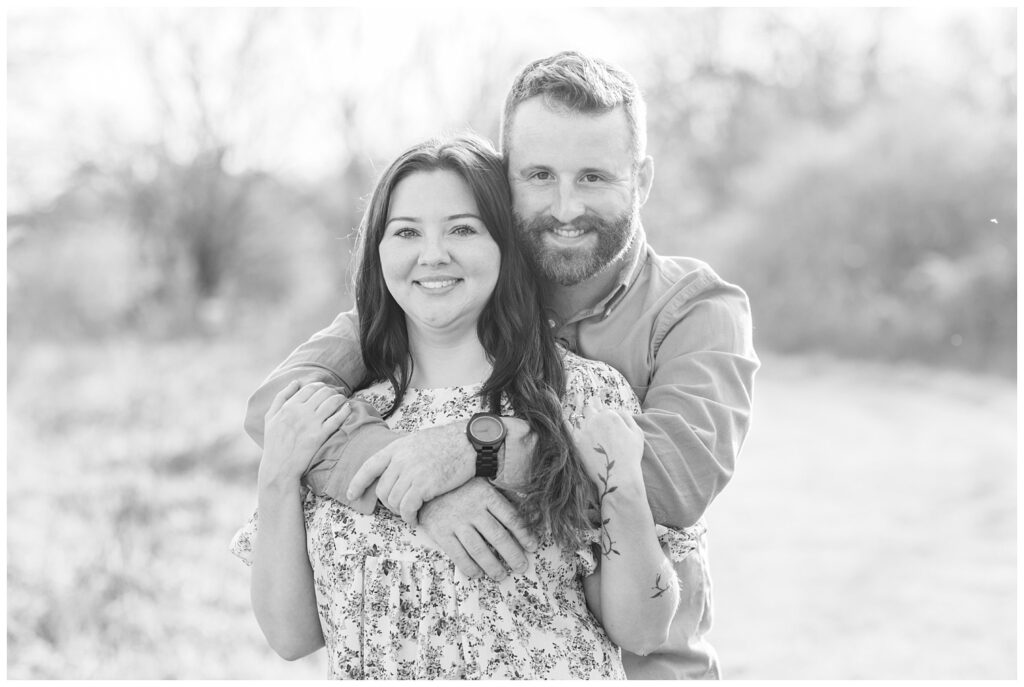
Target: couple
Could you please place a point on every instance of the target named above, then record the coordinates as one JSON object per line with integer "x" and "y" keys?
{"x": 455, "y": 348}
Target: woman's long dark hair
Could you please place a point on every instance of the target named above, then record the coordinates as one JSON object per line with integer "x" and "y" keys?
{"x": 526, "y": 364}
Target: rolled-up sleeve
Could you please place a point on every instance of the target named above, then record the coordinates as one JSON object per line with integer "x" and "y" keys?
{"x": 331, "y": 356}
{"x": 696, "y": 412}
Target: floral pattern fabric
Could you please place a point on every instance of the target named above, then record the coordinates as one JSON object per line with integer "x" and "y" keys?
{"x": 393, "y": 606}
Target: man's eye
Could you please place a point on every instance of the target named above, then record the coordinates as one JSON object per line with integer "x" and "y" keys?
{"x": 541, "y": 176}
{"x": 592, "y": 178}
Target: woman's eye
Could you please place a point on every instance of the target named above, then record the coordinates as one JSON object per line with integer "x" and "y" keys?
{"x": 464, "y": 230}
{"x": 405, "y": 233}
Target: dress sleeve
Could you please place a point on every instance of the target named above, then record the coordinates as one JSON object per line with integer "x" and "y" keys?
{"x": 241, "y": 543}
{"x": 680, "y": 543}
{"x": 591, "y": 379}
{"x": 586, "y": 561}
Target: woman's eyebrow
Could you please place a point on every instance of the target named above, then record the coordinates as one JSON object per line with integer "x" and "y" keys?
{"x": 449, "y": 218}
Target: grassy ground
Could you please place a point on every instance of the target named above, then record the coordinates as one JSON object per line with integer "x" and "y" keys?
{"x": 869, "y": 532}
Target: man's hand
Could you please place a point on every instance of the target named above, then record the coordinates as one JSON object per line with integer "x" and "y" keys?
{"x": 463, "y": 522}
{"x": 417, "y": 468}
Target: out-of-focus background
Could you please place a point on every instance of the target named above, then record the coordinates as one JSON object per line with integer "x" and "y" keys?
{"x": 182, "y": 192}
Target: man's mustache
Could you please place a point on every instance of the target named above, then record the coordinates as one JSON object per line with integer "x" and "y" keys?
{"x": 549, "y": 223}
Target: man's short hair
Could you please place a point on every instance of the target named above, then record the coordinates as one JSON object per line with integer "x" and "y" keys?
{"x": 582, "y": 84}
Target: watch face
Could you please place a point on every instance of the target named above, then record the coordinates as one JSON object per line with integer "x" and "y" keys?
{"x": 487, "y": 429}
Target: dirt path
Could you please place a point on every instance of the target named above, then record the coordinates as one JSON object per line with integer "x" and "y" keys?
{"x": 870, "y": 529}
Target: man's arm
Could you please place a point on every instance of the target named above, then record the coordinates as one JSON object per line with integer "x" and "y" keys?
{"x": 697, "y": 409}
{"x": 331, "y": 356}
{"x": 463, "y": 521}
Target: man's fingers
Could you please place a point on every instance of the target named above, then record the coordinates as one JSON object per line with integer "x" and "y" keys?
{"x": 462, "y": 560}
{"x": 385, "y": 485}
{"x": 370, "y": 470}
{"x": 283, "y": 395}
{"x": 507, "y": 515}
{"x": 502, "y": 541}
{"x": 478, "y": 550}
{"x": 410, "y": 506}
{"x": 399, "y": 488}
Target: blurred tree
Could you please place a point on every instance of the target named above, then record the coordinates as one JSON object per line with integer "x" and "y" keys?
{"x": 893, "y": 237}
{"x": 241, "y": 161}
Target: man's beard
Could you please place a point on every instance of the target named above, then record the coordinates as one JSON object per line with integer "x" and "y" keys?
{"x": 570, "y": 266}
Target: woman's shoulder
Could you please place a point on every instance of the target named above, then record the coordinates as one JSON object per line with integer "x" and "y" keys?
{"x": 579, "y": 369}
{"x": 586, "y": 379}
{"x": 379, "y": 394}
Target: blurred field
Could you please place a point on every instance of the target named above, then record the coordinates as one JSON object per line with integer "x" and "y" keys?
{"x": 869, "y": 532}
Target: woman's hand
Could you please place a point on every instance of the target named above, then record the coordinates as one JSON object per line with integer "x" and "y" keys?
{"x": 610, "y": 443}
{"x": 298, "y": 423}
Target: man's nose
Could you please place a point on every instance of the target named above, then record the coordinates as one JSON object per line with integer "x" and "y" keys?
{"x": 434, "y": 252}
{"x": 566, "y": 205}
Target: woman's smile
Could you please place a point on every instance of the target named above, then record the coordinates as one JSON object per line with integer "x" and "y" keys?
{"x": 437, "y": 285}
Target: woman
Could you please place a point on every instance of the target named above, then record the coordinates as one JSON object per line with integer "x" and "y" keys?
{"x": 451, "y": 326}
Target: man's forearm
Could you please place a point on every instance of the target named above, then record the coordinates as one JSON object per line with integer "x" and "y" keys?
{"x": 361, "y": 435}
{"x": 516, "y": 456}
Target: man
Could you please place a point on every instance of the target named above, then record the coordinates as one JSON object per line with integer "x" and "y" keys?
{"x": 574, "y": 137}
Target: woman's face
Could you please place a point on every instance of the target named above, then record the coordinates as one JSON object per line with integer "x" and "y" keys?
{"x": 438, "y": 258}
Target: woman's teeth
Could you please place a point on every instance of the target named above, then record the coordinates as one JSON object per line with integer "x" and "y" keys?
{"x": 437, "y": 284}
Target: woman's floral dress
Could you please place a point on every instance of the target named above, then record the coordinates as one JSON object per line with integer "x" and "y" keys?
{"x": 393, "y": 606}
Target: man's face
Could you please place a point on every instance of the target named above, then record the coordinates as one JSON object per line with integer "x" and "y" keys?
{"x": 576, "y": 197}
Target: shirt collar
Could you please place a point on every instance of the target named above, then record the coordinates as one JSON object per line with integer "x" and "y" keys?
{"x": 627, "y": 274}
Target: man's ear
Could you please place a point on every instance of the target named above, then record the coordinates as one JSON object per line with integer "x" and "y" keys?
{"x": 645, "y": 179}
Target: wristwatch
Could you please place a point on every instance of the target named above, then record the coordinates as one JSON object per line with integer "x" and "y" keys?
{"x": 486, "y": 432}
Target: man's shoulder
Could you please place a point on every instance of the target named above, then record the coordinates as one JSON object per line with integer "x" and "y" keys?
{"x": 679, "y": 270}
{"x": 675, "y": 280}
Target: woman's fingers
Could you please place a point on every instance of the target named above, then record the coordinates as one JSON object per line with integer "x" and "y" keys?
{"x": 320, "y": 394}
{"x": 329, "y": 405}
{"x": 283, "y": 395}
{"x": 333, "y": 421}
{"x": 307, "y": 391}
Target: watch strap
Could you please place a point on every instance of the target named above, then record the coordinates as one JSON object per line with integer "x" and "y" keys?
{"x": 487, "y": 461}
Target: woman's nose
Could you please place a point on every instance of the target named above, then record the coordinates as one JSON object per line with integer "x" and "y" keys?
{"x": 434, "y": 253}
